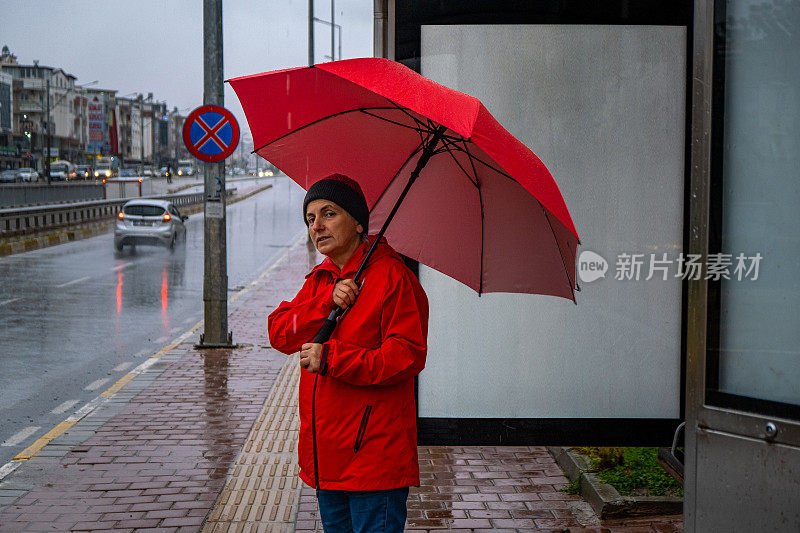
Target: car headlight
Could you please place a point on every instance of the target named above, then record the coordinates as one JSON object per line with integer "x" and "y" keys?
{"x": 96, "y": 174}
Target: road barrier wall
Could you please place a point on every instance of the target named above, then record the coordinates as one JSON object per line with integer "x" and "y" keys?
{"x": 43, "y": 194}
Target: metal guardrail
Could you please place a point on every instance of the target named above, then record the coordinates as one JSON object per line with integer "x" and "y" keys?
{"x": 21, "y": 220}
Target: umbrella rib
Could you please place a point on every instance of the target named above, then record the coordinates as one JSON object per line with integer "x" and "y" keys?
{"x": 317, "y": 122}
{"x": 545, "y": 211}
{"x": 447, "y": 148}
{"x": 390, "y": 121}
{"x": 383, "y": 192}
{"x": 479, "y": 160}
{"x": 563, "y": 262}
{"x": 474, "y": 180}
{"x": 480, "y": 197}
{"x": 407, "y": 112}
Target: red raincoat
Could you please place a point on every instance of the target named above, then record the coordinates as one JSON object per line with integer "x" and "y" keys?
{"x": 366, "y": 424}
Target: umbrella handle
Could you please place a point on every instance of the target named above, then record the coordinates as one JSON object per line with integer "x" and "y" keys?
{"x": 325, "y": 332}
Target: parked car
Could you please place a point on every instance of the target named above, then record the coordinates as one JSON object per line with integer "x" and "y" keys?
{"x": 27, "y": 174}
{"x": 148, "y": 172}
{"x": 149, "y": 222}
{"x": 9, "y": 176}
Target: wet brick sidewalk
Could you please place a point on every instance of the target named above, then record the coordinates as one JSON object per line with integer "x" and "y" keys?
{"x": 495, "y": 488}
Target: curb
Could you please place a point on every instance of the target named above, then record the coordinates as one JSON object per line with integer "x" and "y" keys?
{"x": 604, "y": 499}
{"x": 93, "y": 229}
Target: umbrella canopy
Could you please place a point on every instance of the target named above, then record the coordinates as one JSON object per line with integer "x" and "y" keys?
{"x": 485, "y": 210}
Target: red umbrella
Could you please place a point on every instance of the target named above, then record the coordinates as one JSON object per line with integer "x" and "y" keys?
{"x": 486, "y": 211}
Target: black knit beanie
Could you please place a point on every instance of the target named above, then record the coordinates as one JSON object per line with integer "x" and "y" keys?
{"x": 344, "y": 192}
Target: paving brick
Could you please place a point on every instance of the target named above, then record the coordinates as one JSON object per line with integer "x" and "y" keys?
{"x": 184, "y": 521}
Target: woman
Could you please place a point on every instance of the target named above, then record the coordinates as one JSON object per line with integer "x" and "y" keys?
{"x": 357, "y": 409}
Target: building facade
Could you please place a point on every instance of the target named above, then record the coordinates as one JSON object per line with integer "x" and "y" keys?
{"x": 41, "y": 106}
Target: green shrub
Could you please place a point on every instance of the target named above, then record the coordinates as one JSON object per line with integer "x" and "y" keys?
{"x": 631, "y": 469}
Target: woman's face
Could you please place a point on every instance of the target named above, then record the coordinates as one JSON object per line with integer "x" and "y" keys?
{"x": 333, "y": 230}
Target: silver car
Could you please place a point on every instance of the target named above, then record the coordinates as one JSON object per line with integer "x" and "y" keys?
{"x": 150, "y": 222}
{"x": 9, "y": 176}
{"x": 28, "y": 174}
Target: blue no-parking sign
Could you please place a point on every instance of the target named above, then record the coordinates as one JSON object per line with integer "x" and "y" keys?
{"x": 211, "y": 133}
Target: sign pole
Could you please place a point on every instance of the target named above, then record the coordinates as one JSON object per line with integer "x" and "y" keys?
{"x": 215, "y": 279}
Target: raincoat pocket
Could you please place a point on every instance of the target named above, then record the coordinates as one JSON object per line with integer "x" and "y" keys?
{"x": 362, "y": 428}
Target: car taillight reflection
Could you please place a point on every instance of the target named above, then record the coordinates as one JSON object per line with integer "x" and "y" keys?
{"x": 167, "y": 217}
{"x": 121, "y": 215}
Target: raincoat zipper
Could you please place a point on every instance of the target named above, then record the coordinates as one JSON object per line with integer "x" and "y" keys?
{"x": 362, "y": 429}
{"x": 314, "y": 431}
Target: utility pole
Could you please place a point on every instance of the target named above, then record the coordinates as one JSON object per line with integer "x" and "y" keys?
{"x": 215, "y": 279}
{"x": 47, "y": 131}
{"x": 310, "y": 33}
{"x": 141, "y": 132}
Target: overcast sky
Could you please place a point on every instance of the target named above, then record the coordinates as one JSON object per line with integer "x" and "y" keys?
{"x": 157, "y": 45}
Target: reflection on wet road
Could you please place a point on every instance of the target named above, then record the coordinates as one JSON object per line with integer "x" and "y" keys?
{"x": 74, "y": 317}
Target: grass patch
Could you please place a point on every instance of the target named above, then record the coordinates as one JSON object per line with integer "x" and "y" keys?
{"x": 573, "y": 487}
{"x": 632, "y": 471}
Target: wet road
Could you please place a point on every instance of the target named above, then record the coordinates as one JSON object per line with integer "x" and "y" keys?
{"x": 75, "y": 318}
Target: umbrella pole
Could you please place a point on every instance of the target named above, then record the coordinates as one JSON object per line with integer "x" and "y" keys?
{"x": 330, "y": 323}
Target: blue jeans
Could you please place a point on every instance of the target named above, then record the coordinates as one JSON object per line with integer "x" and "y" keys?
{"x": 367, "y": 511}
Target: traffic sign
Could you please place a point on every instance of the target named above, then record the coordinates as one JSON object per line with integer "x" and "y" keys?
{"x": 211, "y": 133}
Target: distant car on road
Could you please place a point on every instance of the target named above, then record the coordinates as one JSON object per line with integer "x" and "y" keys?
{"x": 27, "y": 174}
{"x": 60, "y": 170}
{"x": 149, "y": 222}
{"x": 185, "y": 171}
{"x": 9, "y": 176}
{"x": 82, "y": 172}
{"x": 127, "y": 173}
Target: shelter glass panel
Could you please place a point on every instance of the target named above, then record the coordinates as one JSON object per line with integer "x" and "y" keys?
{"x": 753, "y": 267}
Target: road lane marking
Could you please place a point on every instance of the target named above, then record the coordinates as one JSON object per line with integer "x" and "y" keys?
{"x": 73, "y": 282}
{"x": 174, "y": 330}
{"x": 96, "y": 384}
{"x": 123, "y": 366}
{"x": 142, "y": 353}
{"x": 20, "y": 436}
{"x": 86, "y": 409}
{"x": 162, "y": 340}
{"x": 12, "y": 300}
{"x": 42, "y": 441}
{"x": 113, "y": 389}
{"x": 123, "y": 266}
{"x": 7, "y": 468}
{"x": 64, "y": 407}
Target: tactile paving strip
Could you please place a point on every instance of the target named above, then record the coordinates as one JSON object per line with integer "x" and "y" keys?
{"x": 262, "y": 493}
